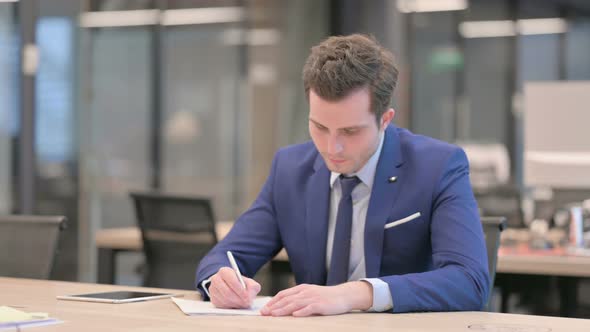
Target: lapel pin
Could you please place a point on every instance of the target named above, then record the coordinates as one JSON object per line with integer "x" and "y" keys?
{"x": 392, "y": 179}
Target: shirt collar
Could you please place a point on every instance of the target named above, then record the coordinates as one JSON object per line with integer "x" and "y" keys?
{"x": 367, "y": 173}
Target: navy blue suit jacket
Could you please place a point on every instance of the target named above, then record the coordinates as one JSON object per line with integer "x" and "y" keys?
{"x": 436, "y": 262}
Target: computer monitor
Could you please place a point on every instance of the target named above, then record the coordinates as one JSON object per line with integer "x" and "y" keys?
{"x": 557, "y": 134}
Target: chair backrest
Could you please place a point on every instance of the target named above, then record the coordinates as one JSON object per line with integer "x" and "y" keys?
{"x": 501, "y": 201}
{"x": 177, "y": 232}
{"x": 28, "y": 245}
{"x": 492, "y": 227}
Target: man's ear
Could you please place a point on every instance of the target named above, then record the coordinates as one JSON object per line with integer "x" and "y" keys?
{"x": 387, "y": 117}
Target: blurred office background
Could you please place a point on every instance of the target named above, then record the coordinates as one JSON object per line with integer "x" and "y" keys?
{"x": 102, "y": 97}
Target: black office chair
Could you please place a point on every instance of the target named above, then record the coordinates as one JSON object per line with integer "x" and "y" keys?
{"x": 177, "y": 232}
{"x": 492, "y": 227}
{"x": 503, "y": 201}
{"x": 28, "y": 245}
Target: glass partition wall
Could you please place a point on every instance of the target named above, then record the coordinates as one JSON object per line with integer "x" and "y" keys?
{"x": 159, "y": 96}
{"x": 194, "y": 97}
{"x": 8, "y": 102}
{"x": 470, "y": 59}
{"x": 184, "y": 97}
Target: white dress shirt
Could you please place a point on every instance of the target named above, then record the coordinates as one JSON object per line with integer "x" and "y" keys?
{"x": 360, "y": 202}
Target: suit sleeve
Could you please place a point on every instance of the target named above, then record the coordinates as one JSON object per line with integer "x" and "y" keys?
{"x": 254, "y": 239}
{"x": 460, "y": 278}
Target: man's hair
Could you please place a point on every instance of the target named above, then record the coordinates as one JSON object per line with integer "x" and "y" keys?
{"x": 341, "y": 65}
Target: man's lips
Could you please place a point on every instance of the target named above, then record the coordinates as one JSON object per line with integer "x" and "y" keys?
{"x": 337, "y": 161}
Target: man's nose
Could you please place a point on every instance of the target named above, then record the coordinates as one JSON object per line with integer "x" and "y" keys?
{"x": 334, "y": 145}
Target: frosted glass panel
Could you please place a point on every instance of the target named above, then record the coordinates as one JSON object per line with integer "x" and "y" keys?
{"x": 8, "y": 98}
{"x": 202, "y": 77}
{"x": 116, "y": 158}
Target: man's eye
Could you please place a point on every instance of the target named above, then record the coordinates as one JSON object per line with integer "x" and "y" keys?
{"x": 350, "y": 132}
{"x": 320, "y": 127}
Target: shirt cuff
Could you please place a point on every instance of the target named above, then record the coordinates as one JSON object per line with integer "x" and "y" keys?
{"x": 205, "y": 286}
{"x": 382, "y": 300}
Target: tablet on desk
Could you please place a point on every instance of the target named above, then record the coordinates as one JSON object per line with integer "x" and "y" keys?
{"x": 116, "y": 297}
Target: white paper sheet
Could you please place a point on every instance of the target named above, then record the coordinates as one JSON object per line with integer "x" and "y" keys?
{"x": 191, "y": 307}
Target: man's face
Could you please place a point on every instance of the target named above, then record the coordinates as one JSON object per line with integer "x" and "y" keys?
{"x": 345, "y": 132}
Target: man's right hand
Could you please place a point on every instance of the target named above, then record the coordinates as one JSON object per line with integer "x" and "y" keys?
{"x": 226, "y": 291}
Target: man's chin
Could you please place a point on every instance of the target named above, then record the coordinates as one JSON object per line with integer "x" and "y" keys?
{"x": 338, "y": 168}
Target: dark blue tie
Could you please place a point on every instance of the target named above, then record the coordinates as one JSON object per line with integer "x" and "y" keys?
{"x": 338, "y": 272}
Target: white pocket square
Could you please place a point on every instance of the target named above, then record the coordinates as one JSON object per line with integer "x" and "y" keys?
{"x": 402, "y": 220}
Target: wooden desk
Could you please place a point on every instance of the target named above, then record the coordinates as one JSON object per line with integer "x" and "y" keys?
{"x": 163, "y": 315}
{"x": 551, "y": 263}
{"x": 129, "y": 238}
{"x": 522, "y": 262}
{"x": 568, "y": 268}
{"x": 111, "y": 241}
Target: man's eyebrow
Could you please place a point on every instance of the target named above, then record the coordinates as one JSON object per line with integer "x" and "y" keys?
{"x": 315, "y": 122}
{"x": 358, "y": 127}
{"x": 353, "y": 127}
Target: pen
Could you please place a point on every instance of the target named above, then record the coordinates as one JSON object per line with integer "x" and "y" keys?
{"x": 234, "y": 266}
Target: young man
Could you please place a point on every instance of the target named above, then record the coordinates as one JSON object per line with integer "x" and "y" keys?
{"x": 372, "y": 216}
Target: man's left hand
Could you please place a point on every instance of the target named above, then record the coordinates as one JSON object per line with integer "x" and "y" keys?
{"x": 306, "y": 300}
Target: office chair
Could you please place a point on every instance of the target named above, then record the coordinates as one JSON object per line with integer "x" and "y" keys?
{"x": 177, "y": 232}
{"x": 28, "y": 245}
{"x": 501, "y": 201}
{"x": 492, "y": 227}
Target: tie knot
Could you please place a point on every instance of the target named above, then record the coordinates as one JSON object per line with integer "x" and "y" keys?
{"x": 348, "y": 184}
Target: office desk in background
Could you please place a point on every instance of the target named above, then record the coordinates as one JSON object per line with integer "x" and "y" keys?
{"x": 163, "y": 315}
{"x": 522, "y": 262}
{"x": 511, "y": 261}
{"x": 111, "y": 241}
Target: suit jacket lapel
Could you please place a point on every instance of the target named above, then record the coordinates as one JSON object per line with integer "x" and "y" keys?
{"x": 317, "y": 214}
{"x": 383, "y": 197}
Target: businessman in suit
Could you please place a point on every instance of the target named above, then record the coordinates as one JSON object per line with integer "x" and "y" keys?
{"x": 373, "y": 217}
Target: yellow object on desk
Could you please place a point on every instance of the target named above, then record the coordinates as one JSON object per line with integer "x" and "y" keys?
{"x": 11, "y": 318}
{"x": 8, "y": 314}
